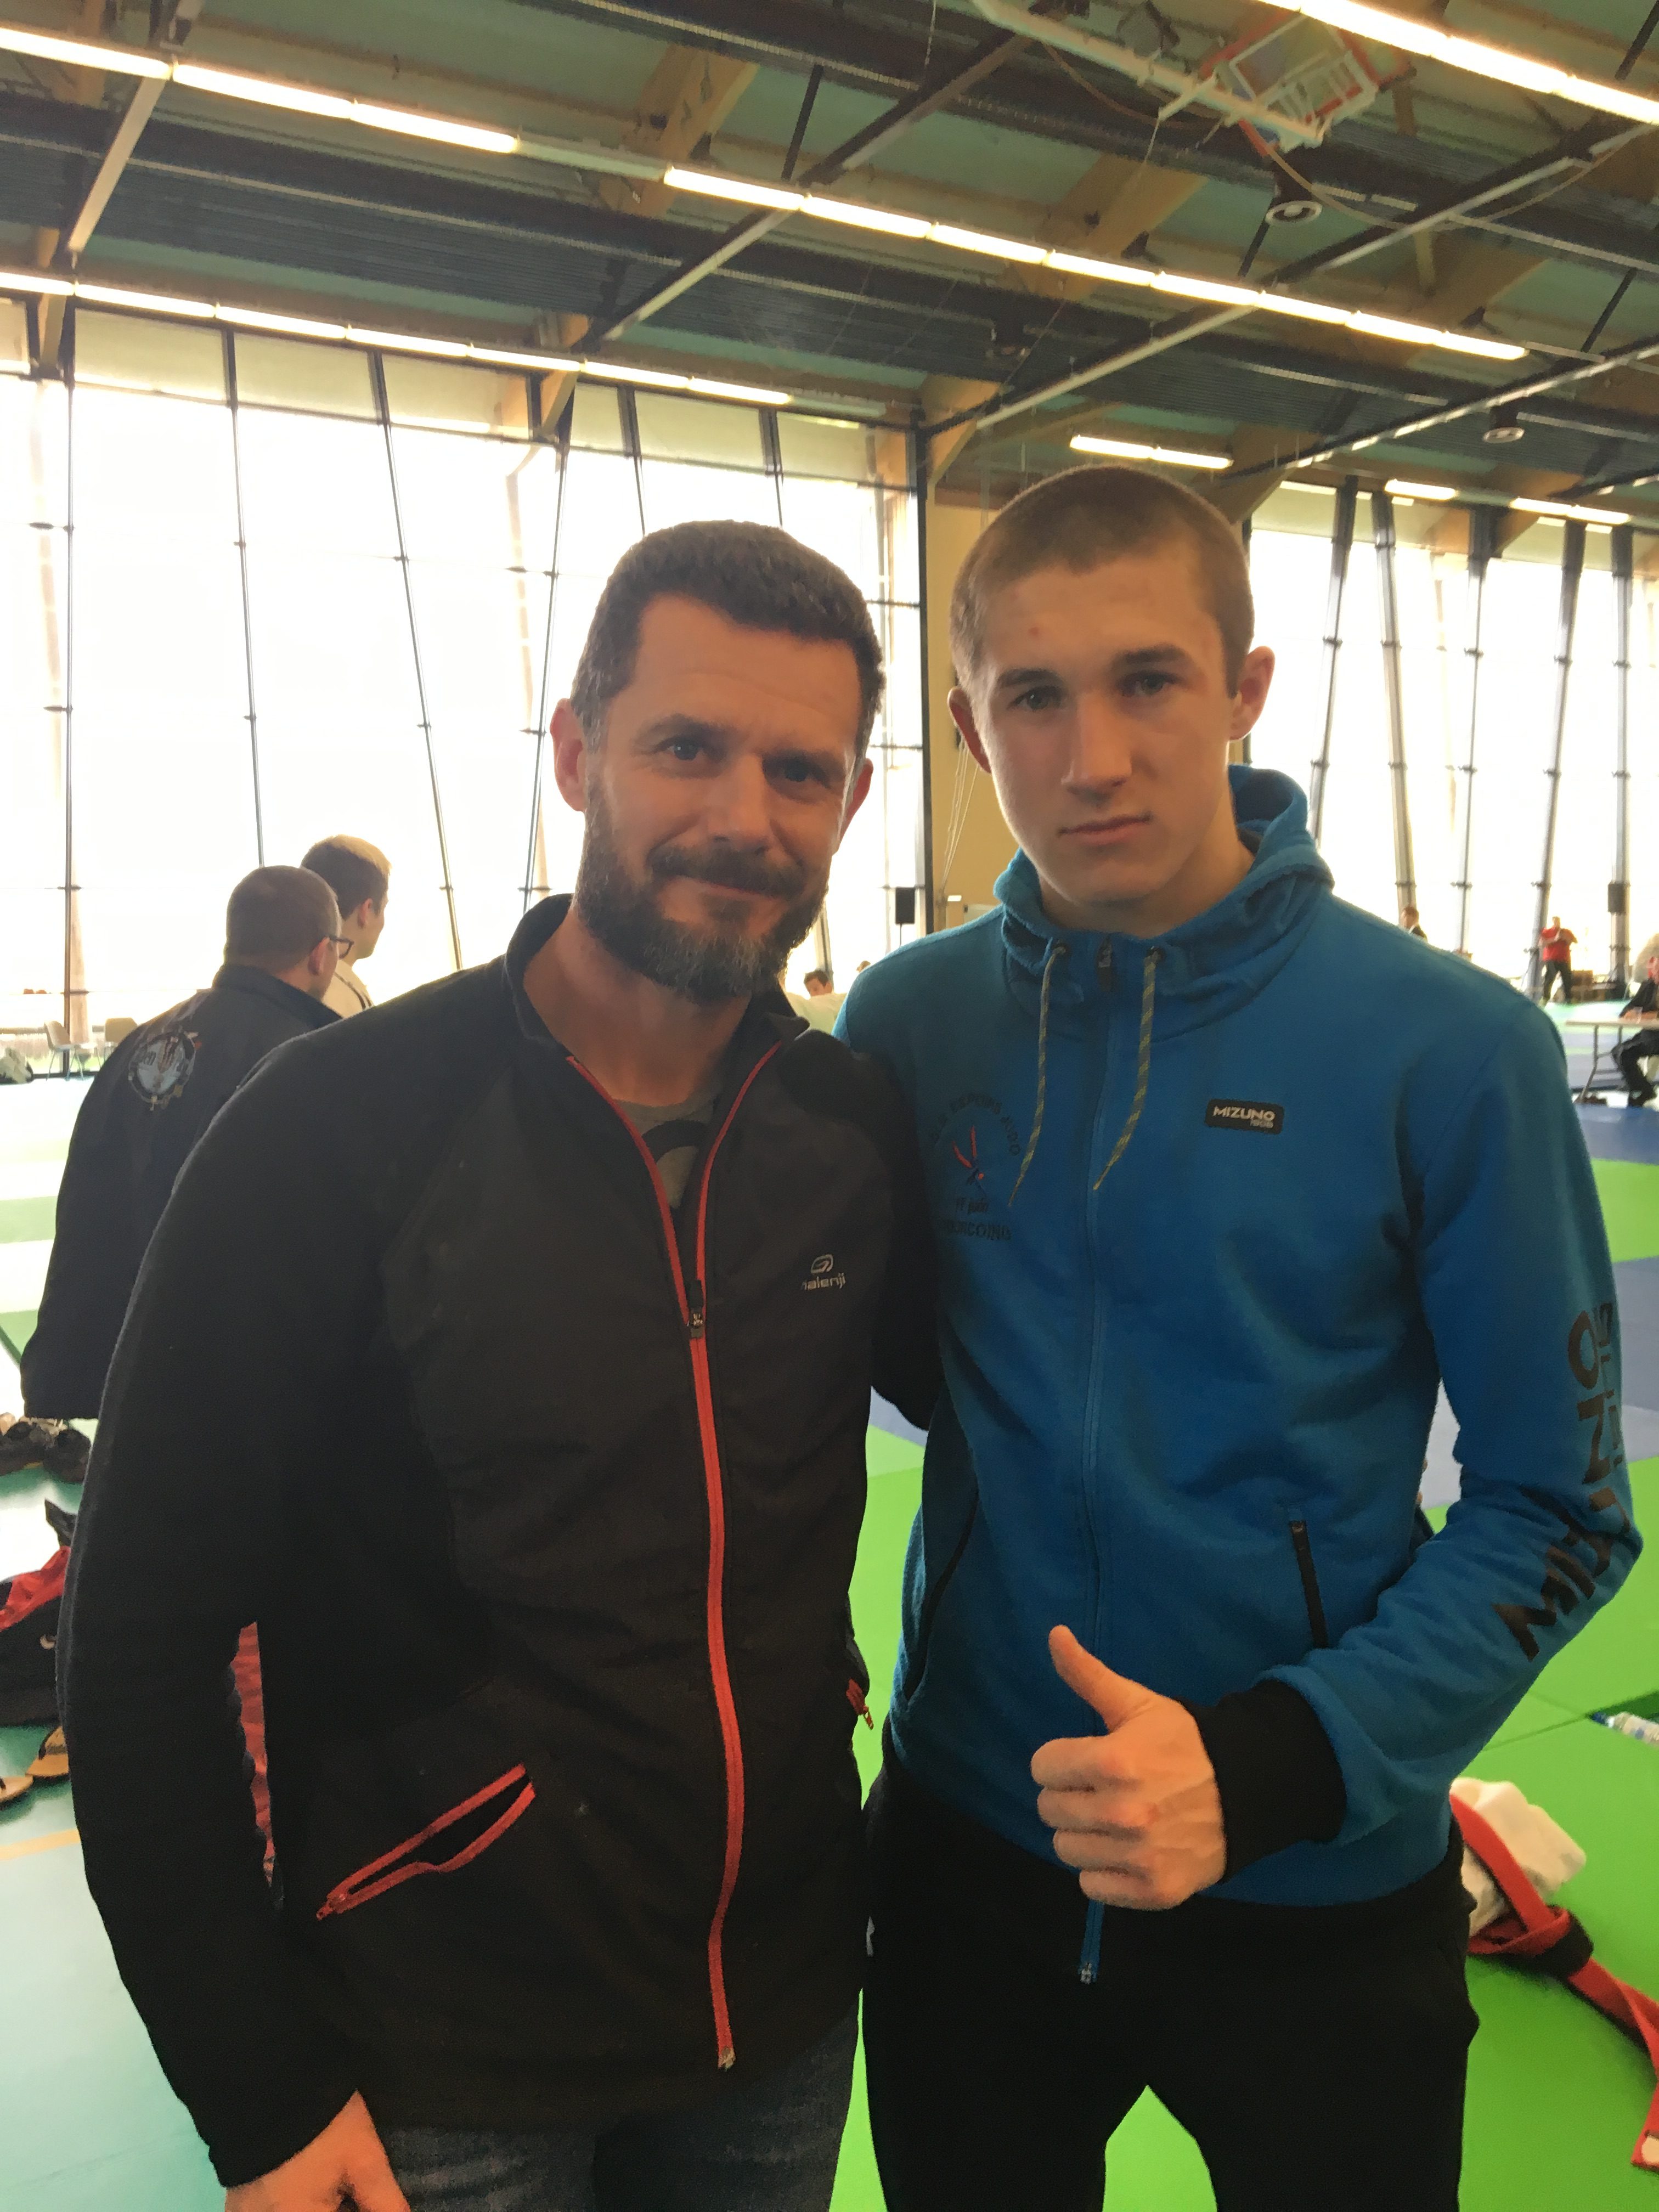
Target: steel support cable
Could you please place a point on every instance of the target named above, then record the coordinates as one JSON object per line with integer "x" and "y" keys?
{"x": 1572, "y": 569}
{"x": 1388, "y": 610}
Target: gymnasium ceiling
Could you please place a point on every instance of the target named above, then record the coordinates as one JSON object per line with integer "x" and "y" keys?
{"x": 995, "y": 131}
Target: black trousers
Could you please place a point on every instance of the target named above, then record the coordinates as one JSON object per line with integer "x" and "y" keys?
{"x": 1552, "y": 972}
{"x": 1316, "y": 2054}
{"x": 1644, "y": 1045}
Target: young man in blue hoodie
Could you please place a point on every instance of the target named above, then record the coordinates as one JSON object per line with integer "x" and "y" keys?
{"x": 1172, "y": 1616}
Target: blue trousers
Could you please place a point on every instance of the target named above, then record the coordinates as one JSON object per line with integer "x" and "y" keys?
{"x": 771, "y": 2148}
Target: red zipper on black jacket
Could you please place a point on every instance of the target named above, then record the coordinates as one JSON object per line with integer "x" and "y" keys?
{"x": 693, "y": 1305}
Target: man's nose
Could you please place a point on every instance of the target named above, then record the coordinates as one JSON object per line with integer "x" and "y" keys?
{"x": 1101, "y": 750}
{"x": 737, "y": 810}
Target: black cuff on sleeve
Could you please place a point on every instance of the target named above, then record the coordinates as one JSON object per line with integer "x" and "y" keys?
{"x": 1276, "y": 1773}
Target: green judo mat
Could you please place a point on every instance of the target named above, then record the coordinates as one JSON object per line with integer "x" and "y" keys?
{"x": 1555, "y": 2093}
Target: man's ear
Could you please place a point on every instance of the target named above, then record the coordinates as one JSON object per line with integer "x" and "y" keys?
{"x": 570, "y": 751}
{"x": 857, "y": 792}
{"x": 1254, "y": 681}
{"x": 962, "y": 714}
{"x": 321, "y": 956}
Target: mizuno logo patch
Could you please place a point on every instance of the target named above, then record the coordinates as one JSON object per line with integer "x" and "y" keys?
{"x": 1244, "y": 1113}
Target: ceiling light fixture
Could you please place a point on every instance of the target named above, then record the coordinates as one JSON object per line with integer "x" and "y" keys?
{"x": 1400, "y": 487}
{"x": 1503, "y": 425}
{"x": 38, "y": 281}
{"x": 1172, "y": 456}
{"x": 81, "y": 53}
{"x": 1555, "y": 510}
{"x": 864, "y": 218}
{"x": 306, "y": 99}
{"x": 1215, "y": 291}
{"x": 1524, "y": 71}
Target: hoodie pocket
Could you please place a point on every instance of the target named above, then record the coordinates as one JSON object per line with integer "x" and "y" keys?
{"x": 1303, "y": 1547}
{"x": 934, "y": 1598}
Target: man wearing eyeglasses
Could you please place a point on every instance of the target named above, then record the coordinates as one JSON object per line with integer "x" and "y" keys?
{"x": 150, "y": 1101}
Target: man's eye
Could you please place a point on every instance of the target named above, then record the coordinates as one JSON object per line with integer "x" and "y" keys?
{"x": 684, "y": 748}
{"x": 1149, "y": 683}
{"x": 795, "y": 771}
{"x": 1038, "y": 699}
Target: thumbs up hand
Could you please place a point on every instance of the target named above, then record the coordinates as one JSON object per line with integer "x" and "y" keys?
{"x": 1136, "y": 1810}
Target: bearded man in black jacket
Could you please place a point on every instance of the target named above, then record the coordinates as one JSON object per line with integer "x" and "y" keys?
{"x": 149, "y": 1102}
{"x": 527, "y": 1326}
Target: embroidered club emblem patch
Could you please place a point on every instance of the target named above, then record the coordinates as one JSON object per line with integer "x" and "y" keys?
{"x": 162, "y": 1065}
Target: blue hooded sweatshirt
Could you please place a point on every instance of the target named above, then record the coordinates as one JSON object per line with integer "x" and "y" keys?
{"x": 1217, "y": 1212}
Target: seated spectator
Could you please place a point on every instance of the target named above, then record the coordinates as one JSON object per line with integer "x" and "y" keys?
{"x": 1644, "y": 1045}
{"x": 148, "y": 1103}
{"x": 360, "y": 875}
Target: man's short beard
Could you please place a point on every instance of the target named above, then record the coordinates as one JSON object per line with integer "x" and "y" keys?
{"x": 710, "y": 965}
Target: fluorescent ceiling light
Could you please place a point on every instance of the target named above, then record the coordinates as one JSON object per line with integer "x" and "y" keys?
{"x": 758, "y": 395}
{"x": 1525, "y": 71}
{"x": 1398, "y": 487}
{"x": 306, "y": 99}
{"x": 1248, "y": 299}
{"x": 47, "y": 47}
{"x": 154, "y": 303}
{"x": 866, "y": 218}
{"x": 982, "y": 242}
{"x": 748, "y": 190}
{"x": 544, "y": 363}
{"x": 1324, "y": 491}
{"x": 35, "y": 280}
{"x": 305, "y": 326}
{"x": 297, "y": 326}
{"x": 1121, "y": 450}
{"x": 1110, "y": 272}
{"x": 1555, "y": 510}
{"x": 403, "y": 342}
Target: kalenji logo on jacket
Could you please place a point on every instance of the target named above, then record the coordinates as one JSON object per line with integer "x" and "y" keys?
{"x": 823, "y": 1276}
{"x": 1244, "y": 1113}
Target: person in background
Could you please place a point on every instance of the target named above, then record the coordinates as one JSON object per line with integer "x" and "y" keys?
{"x": 525, "y": 1330}
{"x": 148, "y": 1103}
{"x": 1644, "y": 1045}
{"x": 821, "y": 1005}
{"x": 1184, "y": 1678}
{"x": 1555, "y": 961}
{"x": 1410, "y": 922}
{"x": 359, "y": 876}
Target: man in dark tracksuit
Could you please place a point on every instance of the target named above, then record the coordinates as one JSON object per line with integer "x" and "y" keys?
{"x": 1644, "y": 1045}
{"x": 527, "y": 1326}
{"x": 148, "y": 1103}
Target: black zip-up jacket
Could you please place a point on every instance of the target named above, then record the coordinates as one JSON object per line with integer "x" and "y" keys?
{"x": 545, "y": 1502}
{"x": 148, "y": 1103}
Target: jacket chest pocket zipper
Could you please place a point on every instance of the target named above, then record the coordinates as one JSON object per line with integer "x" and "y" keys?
{"x": 1305, "y": 1568}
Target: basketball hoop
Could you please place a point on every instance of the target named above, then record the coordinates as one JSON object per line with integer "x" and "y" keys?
{"x": 1314, "y": 77}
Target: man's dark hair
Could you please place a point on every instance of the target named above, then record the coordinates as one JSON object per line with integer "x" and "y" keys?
{"x": 1085, "y": 517}
{"x": 816, "y": 975}
{"x": 753, "y": 575}
{"x": 275, "y": 916}
{"x": 353, "y": 870}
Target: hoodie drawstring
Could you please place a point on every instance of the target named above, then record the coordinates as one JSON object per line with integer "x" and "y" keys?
{"x": 1056, "y": 952}
{"x": 1088, "y": 1965}
{"x": 1144, "y": 1064}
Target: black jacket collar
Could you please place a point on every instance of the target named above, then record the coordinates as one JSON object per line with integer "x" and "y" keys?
{"x": 257, "y": 984}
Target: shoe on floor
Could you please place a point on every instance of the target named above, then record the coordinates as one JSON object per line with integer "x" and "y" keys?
{"x": 13, "y": 1786}
{"x": 50, "y": 1762}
